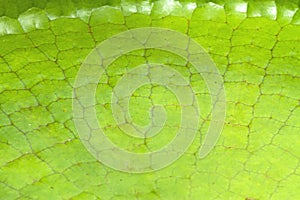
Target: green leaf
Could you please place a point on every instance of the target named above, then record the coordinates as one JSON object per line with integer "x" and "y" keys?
{"x": 255, "y": 46}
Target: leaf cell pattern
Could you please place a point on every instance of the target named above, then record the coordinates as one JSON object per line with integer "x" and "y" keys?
{"x": 256, "y": 47}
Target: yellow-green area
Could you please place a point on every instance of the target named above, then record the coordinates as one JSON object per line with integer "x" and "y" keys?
{"x": 254, "y": 44}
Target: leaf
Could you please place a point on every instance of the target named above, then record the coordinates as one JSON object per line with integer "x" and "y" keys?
{"x": 256, "y": 48}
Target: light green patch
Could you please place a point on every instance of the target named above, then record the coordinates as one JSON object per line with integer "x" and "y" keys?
{"x": 4, "y": 120}
{"x": 137, "y": 20}
{"x": 274, "y": 106}
{"x": 13, "y": 100}
{"x": 262, "y": 132}
{"x": 17, "y": 174}
{"x": 180, "y": 187}
{"x": 284, "y": 66}
{"x": 287, "y": 49}
{"x": 242, "y": 92}
{"x": 49, "y": 91}
{"x": 15, "y": 139}
{"x": 205, "y": 184}
{"x": 250, "y": 54}
{"x": 11, "y": 43}
{"x": 74, "y": 40}
{"x": 28, "y": 119}
{"x": 179, "y": 24}
{"x": 40, "y": 37}
{"x": 270, "y": 166}
{"x": 239, "y": 114}
{"x": 209, "y": 12}
{"x": 252, "y": 185}
{"x": 85, "y": 196}
{"x": 100, "y": 32}
{"x": 7, "y": 192}
{"x": 61, "y": 110}
{"x": 53, "y": 186}
{"x": 215, "y": 45}
{"x": 291, "y": 147}
{"x": 63, "y": 155}
{"x": 63, "y": 25}
{"x": 210, "y": 28}
{"x": 10, "y": 81}
{"x": 106, "y": 15}
{"x": 235, "y": 136}
{"x": 289, "y": 86}
{"x": 285, "y": 190}
{"x": 47, "y": 136}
